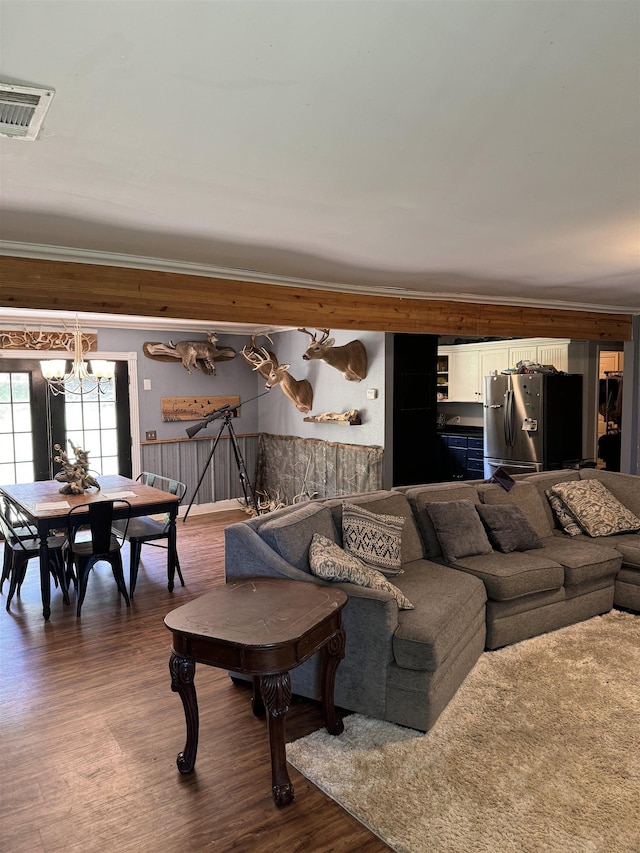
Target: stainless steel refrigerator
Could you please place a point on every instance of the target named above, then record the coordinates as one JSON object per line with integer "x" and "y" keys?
{"x": 532, "y": 421}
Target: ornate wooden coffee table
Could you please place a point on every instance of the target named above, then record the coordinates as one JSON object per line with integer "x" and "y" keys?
{"x": 261, "y": 627}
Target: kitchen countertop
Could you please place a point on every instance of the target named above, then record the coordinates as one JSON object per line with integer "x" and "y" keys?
{"x": 461, "y": 429}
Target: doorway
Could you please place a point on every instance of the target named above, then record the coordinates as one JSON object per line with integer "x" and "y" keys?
{"x": 33, "y": 420}
{"x": 610, "y": 384}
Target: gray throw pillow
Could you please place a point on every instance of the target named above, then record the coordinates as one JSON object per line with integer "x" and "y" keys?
{"x": 373, "y": 538}
{"x": 329, "y": 562}
{"x": 459, "y": 529}
{"x": 508, "y": 528}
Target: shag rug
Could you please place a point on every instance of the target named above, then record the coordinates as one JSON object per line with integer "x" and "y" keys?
{"x": 539, "y": 750}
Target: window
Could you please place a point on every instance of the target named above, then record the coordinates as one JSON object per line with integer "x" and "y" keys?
{"x": 16, "y": 444}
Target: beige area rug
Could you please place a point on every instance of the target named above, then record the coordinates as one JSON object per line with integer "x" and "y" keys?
{"x": 538, "y": 751}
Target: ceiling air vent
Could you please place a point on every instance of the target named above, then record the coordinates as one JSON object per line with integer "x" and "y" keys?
{"x": 22, "y": 110}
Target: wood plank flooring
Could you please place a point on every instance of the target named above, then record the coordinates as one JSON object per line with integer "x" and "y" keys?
{"x": 91, "y": 729}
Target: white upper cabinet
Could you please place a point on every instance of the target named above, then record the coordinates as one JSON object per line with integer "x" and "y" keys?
{"x": 468, "y": 364}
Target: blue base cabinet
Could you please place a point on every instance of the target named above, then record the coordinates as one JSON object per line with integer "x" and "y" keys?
{"x": 461, "y": 456}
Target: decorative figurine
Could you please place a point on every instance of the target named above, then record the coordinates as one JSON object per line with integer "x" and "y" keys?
{"x": 74, "y": 474}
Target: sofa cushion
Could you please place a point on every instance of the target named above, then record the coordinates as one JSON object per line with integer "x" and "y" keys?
{"x": 525, "y": 496}
{"x": 329, "y": 562}
{"x": 447, "y": 603}
{"x": 596, "y": 510}
{"x": 508, "y": 528}
{"x": 385, "y": 503}
{"x": 290, "y": 535}
{"x": 627, "y": 544}
{"x": 459, "y": 529}
{"x": 563, "y": 515}
{"x": 374, "y": 538}
{"x": 582, "y": 559}
{"x": 508, "y": 576}
{"x": 420, "y": 496}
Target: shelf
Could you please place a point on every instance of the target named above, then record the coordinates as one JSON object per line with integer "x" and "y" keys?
{"x": 350, "y": 422}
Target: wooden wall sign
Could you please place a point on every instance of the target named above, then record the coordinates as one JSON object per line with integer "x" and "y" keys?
{"x": 193, "y": 408}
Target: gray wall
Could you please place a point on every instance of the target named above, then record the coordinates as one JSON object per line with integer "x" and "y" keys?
{"x": 170, "y": 379}
{"x": 272, "y": 413}
{"x": 331, "y": 392}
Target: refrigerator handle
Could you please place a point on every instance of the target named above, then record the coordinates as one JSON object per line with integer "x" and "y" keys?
{"x": 508, "y": 419}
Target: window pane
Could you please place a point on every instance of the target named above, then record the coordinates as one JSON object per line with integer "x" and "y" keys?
{"x": 6, "y": 449}
{"x": 5, "y": 387}
{"x": 108, "y": 415}
{"x": 20, "y": 387}
{"x": 109, "y": 442}
{"x": 92, "y": 442}
{"x": 23, "y": 446}
{"x": 6, "y": 420}
{"x": 6, "y": 474}
{"x": 91, "y": 415}
{"x": 109, "y": 465}
{"x": 73, "y": 414}
{"x": 24, "y": 472}
{"x": 22, "y": 417}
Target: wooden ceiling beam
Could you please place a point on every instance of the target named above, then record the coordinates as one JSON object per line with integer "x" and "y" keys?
{"x": 61, "y": 285}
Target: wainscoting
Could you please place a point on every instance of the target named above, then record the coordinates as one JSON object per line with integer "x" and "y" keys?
{"x": 186, "y": 460}
{"x": 283, "y": 467}
{"x": 300, "y": 468}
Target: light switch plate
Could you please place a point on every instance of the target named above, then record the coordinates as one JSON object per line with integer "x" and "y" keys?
{"x": 372, "y": 393}
{"x": 151, "y": 435}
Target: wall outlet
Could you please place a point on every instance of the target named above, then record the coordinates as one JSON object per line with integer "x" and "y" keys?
{"x": 151, "y": 435}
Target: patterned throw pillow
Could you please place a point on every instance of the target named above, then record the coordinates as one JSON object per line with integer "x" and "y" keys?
{"x": 374, "y": 539}
{"x": 596, "y": 510}
{"x": 329, "y": 562}
{"x": 565, "y": 517}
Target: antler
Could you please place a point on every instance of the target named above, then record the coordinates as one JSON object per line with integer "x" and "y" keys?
{"x": 307, "y": 332}
{"x": 257, "y": 357}
{"x": 325, "y": 335}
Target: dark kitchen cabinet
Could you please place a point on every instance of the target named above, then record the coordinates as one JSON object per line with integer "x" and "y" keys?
{"x": 461, "y": 456}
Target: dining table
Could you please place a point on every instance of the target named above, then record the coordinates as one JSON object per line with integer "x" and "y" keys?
{"x": 46, "y": 508}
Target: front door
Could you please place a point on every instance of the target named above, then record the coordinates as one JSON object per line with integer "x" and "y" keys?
{"x": 33, "y": 420}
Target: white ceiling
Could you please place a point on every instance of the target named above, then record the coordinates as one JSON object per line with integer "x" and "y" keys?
{"x": 452, "y": 147}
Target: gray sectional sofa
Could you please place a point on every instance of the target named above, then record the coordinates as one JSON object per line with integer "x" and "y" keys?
{"x": 405, "y": 665}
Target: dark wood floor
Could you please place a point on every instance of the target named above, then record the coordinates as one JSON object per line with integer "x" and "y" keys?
{"x": 91, "y": 729}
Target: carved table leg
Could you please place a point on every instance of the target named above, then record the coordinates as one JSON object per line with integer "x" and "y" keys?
{"x": 182, "y": 674}
{"x": 257, "y": 704}
{"x": 332, "y": 654}
{"x": 276, "y": 692}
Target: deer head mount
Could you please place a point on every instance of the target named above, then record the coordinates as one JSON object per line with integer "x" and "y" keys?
{"x": 201, "y": 355}
{"x": 299, "y": 392}
{"x": 350, "y": 359}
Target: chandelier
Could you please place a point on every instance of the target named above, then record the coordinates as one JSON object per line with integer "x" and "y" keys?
{"x": 79, "y": 380}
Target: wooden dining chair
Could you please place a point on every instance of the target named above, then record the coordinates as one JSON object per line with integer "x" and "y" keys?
{"x": 22, "y": 544}
{"x": 92, "y": 538}
{"x": 146, "y": 530}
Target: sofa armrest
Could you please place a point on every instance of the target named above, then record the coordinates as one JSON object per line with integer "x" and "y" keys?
{"x": 247, "y": 555}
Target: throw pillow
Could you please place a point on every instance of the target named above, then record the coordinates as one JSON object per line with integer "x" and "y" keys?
{"x": 563, "y": 514}
{"x": 374, "y": 539}
{"x": 508, "y": 528}
{"x": 597, "y": 511}
{"x": 459, "y": 529}
{"x": 329, "y": 562}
